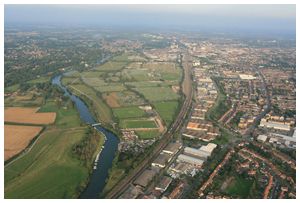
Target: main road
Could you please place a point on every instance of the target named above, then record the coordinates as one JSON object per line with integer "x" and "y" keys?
{"x": 188, "y": 93}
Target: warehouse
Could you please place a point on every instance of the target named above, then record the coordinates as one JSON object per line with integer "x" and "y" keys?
{"x": 161, "y": 160}
{"x": 209, "y": 148}
{"x": 145, "y": 178}
{"x": 189, "y": 159}
{"x": 163, "y": 184}
{"x": 262, "y": 138}
{"x": 196, "y": 153}
{"x": 172, "y": 148}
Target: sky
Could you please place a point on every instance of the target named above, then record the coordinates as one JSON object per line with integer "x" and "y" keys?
{"x": 217, "y": 18}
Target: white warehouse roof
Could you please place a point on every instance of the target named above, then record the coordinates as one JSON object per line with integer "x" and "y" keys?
{"x": 189, "y": 159}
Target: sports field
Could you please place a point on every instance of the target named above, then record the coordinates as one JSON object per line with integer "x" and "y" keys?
{"x": 131, "y": 123}
{"x": 128, "y": 112}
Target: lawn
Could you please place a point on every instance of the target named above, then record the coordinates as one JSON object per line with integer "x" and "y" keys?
{"x": 49, "y": 170}
{"x": 128, "y": 112}
{"x": 166, "y": 110}
{"x": 239, "y": 187}
{"x": 130, "y": 123}
{"x": 149, "y": 134}
{"x": 154, "y": 94}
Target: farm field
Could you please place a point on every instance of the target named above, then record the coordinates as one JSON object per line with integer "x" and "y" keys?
{"x": 124, "y": 98}
{"x": 167, "y": 110}
{"x": 17, "y": 138}
{"x": 154, "y": 94}
{"x": 50, "y": 169}
{"x": 28, "y": 115}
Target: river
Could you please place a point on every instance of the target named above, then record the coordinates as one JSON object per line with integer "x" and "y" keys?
{"x": 100, "y": 174}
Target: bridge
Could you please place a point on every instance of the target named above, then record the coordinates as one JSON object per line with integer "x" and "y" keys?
{"x": 96, "y": 124}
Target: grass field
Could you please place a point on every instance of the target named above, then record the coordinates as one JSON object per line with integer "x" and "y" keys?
{"x": 154, "y": 94}
{"x": 40, "y": 80}
{"x": 128, "y": 112}
{"x": 130, "y": 123}
{"x": 124, "y": 98}
{"x": 239, "y": 187}
{"x": 221, "y": 106}
{"x": 49, "y": 170}
{"x": 166, "y": 110}
{"x": 12, "y": 88}
{"x": 112, "y": 66}
{"x": 102, "y": 110}
{"x": 23, "y": 101}
{"x": 149, "y": 134}
{"x": 113, "y": 87}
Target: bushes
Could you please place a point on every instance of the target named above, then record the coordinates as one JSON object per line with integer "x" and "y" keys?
{"x": 87, "y": 147}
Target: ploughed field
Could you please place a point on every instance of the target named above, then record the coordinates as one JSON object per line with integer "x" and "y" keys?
{"x": 28, "y": 115}
{"x": 17, "y": 138}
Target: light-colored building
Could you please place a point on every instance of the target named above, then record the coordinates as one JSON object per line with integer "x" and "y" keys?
{"x": 196, "y": 153}
{"x": 190, "y": 160}
{"x": 262, "y": 138}
{"x": 275, "y": 125}
{"x": 172, "y": 148}
{"x": 162, "y": 160}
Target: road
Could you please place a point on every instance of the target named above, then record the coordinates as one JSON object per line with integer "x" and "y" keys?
{"x": 265, "y": 111}
{"x": 187, "y": 91}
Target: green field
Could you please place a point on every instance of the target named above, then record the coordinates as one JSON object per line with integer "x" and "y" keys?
{"x": 103, "y": 112}
{"x": 154, "y": 94}
{"x": 128, "y": 112}
{"x": 221, "y": 106}
{"x": 112, "y": 66}
{"x": 113, "y": 87}
{"x": 239, "y": 187}
{"x": 50, "y": 169}
{"x": 12, "y": 88}
{"x": 130, "y": 123}
{"x": 149, "y": 134}
{"x": 40, "y": 80}
{"x": 167, "y": 110}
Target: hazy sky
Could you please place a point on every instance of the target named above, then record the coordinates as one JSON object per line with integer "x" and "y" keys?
{"x": 252, "y": 18}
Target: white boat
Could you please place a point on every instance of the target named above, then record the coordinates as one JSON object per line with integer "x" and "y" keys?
{"x": 95, "y": 167}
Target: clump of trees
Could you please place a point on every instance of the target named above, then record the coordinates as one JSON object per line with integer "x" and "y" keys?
{"x": 86, "y": 148}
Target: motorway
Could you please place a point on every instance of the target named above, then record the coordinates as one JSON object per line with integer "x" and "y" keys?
{"x": 187, "y": 90}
